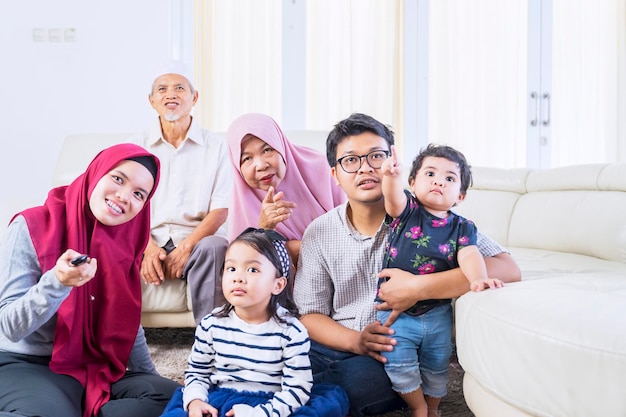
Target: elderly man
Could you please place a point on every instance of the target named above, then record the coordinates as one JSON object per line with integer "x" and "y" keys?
{"x": 190, "y": 207}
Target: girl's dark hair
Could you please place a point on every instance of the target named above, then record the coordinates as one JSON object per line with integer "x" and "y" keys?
{"x": 449, "y": 153}
{"x": 264, "y": 241}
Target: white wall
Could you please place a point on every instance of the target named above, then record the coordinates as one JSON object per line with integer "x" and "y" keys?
{"x": 99, "y": 83}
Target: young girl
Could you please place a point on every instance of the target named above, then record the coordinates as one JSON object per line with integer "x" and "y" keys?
{"x": 427, "y": 237}
{"x": 70, "y": 340}
{"x": 250, "y": 357}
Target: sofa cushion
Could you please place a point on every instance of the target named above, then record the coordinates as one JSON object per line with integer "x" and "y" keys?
{"x": 538, "y": 264}
{"x": 575, "y": 177}
{"x": 552, "y": 344}
{"x": 496, "y": 179}
{"x": 541, "y": 343}
{"x": 491, "y": 200}
{"x": 171, "y": 296}
{"x": 491, "y": 211}
{"x": 581, "y": 222}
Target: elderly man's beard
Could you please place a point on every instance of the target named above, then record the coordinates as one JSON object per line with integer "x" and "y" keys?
{"x": 171, "y": 117}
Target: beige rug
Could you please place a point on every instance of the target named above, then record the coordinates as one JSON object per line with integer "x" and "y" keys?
{"x": 170, "y": 348}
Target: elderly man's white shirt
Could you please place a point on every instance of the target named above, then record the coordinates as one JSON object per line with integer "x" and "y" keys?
{"x": 195, "y": 179}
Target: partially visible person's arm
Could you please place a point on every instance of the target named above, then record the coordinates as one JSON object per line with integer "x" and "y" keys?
{"x": 28, "y": 297}
{"x": 392, "y": 185}
{"x": 207, "y": 227}
{"x": 499, "y": 262}
{"x": 200, "y": 367}
{"x": 504, "y": 267}
{"x": 370, "y": 341}
{"x": 296, "y": 380}
{"x": 328, "y": 332}
{"x": 151, "y": 270}
{"x": 473, "y": 266}
{"x": 176, "y": 260}
{"x": 140, "y": 360}
{"x": 405, "y": 289}
{"x": 315, "y": 294}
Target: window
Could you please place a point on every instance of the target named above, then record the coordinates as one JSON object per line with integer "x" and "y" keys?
{"x": 461, "y": 73}
{"x": 350, "y": 63}
{"x": 534, "y": 83}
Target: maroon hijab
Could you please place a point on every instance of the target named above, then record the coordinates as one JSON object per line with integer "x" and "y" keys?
{"x": 97, "y": 324}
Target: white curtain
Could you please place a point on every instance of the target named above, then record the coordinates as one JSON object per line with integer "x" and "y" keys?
{"x": 589, "y": 70}
{"x": 478, "y": 80}
{"x": 237, "y": 59}
{"x": 352, "y": 60}
{"x": 477, "y": 71}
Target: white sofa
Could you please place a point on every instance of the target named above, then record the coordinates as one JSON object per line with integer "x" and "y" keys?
{"x": 553, "y": 344}
{"x": 168, "y": 305}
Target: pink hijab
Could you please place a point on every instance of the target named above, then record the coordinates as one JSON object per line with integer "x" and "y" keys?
{"x": 307, "y": 181}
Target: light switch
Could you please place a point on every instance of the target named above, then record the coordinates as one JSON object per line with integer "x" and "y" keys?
{"x": 39, "y": 34}
{"x": 55, "y": 35}
{"x": 70, "y": 35}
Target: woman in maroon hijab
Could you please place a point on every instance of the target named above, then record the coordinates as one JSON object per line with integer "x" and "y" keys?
{"x": 71, "y": 343}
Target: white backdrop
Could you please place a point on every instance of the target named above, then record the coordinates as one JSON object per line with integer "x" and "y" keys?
{"x": 98, "y": 83}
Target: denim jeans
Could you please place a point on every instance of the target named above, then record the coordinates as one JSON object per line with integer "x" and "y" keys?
{"x": 422, "y": 355}
{"x": 362, "y": 377}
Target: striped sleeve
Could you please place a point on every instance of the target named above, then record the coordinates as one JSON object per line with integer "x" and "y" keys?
{"x": 200, "y": 365}
{"x": 297, "y": 378}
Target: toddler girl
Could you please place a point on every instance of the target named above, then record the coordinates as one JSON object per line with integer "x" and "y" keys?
{"x": 250, "y": 357}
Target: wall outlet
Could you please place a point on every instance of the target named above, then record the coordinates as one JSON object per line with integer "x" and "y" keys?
{"x": 69, "y": 35}
{"x": 55, "y": 35}
{"x": 39, "y": 34}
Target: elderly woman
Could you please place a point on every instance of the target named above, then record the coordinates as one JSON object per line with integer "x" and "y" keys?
{"x": 280, "y": 185}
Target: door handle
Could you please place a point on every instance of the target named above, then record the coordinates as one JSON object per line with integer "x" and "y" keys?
{"x": 546, "y": 97}
{"x": 535, "y": 97}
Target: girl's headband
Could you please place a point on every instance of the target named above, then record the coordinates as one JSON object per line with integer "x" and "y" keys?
{"x": 279, "y": 243}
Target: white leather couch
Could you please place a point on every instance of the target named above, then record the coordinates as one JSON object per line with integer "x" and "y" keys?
{"x": 168, "y": 305}
{"x": 553, "y": 344}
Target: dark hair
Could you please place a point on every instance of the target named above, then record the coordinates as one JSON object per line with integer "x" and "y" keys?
{"x": 263, "y": 242}
{"x": 354, "y": 125}
{"x": 449, "y": 153}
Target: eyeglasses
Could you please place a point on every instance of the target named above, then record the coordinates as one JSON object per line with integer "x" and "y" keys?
{"x": 352, "y": 163}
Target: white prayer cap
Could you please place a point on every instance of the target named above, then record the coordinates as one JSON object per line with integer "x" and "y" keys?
{"x": 172, "y": 66}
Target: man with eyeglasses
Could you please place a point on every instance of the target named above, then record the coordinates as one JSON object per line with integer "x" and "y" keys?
{"x": 340, "y": 261}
